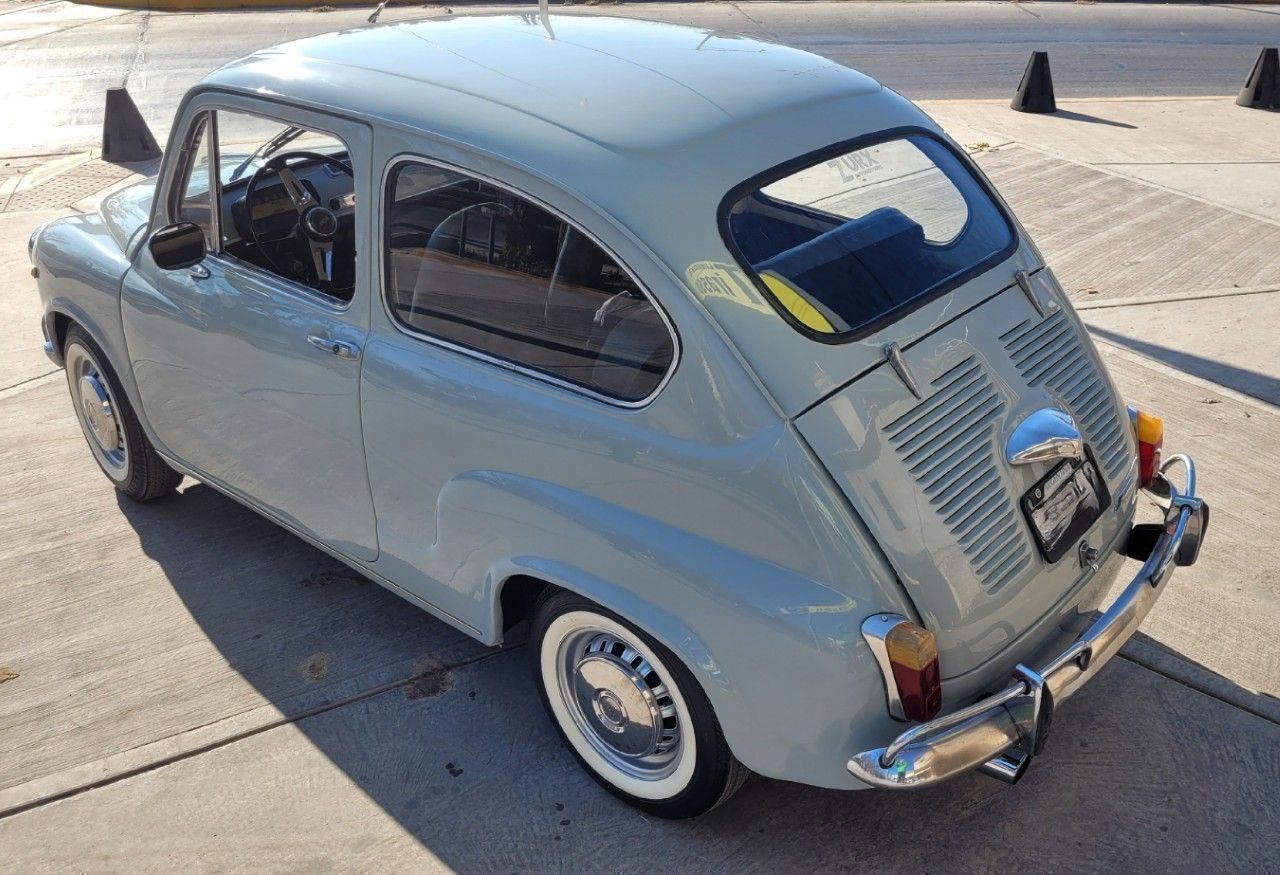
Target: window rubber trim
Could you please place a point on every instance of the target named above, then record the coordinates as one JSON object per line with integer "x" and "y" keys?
{"x": 506, "y": 364}
{"x": 809, "y": 159}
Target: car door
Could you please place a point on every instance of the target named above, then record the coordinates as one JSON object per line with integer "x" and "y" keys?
{"x": 509, "y": 346}
{"x": 247, "y": 376}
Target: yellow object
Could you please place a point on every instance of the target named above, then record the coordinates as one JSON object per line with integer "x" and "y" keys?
{"x": 804, "y": 312}
{"x": 910, "y": 646}
{"x": 1149, "y": 428}
{"x": 202, "y": 5}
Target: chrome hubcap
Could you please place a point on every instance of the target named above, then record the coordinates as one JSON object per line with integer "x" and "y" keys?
{"x": 620, "y": 703}
{"x": 97, "y": 412}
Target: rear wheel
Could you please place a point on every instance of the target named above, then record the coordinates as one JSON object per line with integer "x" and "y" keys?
{"x": 629, "y": 710}
{"x": 109, "y": 424}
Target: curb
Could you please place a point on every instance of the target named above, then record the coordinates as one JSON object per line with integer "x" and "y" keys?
{"x": 217, "y": 5}
{"x": 1154, "y": 656}
{"x": 224, "y": 5}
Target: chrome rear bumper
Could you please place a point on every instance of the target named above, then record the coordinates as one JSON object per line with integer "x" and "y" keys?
{"x": 1000, "y": 734}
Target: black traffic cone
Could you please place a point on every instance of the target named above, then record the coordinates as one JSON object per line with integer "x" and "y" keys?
{"x": 125, "y": 136}
{"x": 1035, "y": 91}
{"x": 1262, "y": 89}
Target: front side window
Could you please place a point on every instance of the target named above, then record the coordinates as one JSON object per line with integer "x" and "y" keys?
{"x": 195, "y": 204}
{"x": 282, "y": 199}
{"x": 478, "y": 266}
{"x": 287, "y": 201}
{"x": 847, "y": 242}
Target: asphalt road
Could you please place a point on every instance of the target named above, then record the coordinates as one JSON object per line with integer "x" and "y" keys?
{"x": 59, "y": 58}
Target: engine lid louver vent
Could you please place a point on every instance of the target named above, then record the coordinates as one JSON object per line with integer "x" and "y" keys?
{"x": 948, "y": 443}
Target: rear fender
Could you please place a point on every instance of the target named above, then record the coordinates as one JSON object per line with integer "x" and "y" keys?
{"x": 779, "y": 655}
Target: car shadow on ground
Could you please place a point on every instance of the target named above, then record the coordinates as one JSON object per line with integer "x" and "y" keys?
{"x": 1262, "y": 386}
{"x": 1142, "y": 773}
{"x": 1091, "y": 119}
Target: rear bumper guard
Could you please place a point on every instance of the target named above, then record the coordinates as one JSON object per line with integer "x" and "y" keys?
{"x": 1000, "y": 734}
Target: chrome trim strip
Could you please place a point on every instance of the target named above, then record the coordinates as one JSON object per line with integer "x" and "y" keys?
{"x": 893, "y": 355}
{"x": 979, "y": 736}
{"x": 875, "y": 629}
{"x": 506, "y": 364}
{"x": 203, "y": 129}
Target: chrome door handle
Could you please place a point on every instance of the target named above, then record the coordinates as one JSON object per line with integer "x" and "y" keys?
{"x": 340, "y": 348}
{"x": 199, "y": 271}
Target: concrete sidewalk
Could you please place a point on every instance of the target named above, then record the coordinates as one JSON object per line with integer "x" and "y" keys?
{"x": 1204, "y": 147}
{"x": 196, "y": 687}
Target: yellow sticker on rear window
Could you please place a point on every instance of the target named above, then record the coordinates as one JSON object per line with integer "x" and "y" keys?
{"x": 804, "y": 312}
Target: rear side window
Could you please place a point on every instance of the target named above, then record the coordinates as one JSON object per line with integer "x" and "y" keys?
{"x": 483, "y": 268}
{"x": 843, "y": 244}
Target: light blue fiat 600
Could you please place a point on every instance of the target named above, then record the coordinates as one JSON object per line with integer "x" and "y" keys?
{"x": 715, "y": 361}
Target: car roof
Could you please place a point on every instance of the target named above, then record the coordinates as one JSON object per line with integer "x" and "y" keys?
{"x": 650, "y": 125}
{"x": 573, "y": 95}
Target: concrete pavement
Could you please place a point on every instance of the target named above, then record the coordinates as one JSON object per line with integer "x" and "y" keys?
{"x": 189, "y": 685}
{"x": 1143, "y": 775}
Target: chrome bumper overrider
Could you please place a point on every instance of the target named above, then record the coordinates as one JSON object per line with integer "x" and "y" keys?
{"x": 1000, "y": 734}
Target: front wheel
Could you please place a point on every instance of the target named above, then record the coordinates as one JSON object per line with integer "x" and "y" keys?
{"x": 110, "y": 426}
{"x": 630, "y": 711}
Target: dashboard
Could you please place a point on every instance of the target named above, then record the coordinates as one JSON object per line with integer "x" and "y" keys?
{"x": 272, "y": 210}
{"x": 274, "y": 216}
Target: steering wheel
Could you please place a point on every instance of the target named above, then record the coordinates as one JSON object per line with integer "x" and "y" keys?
{"x": 316, "y": 229}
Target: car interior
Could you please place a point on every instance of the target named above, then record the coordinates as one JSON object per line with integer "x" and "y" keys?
{"x": 865, "y": 233}
{"x": 294, "y": 215}
{"x": 286, "y": 201}
{"x": 483, "y": 267}
{"x": 827, "y": 255}
{"x": 468, "y": 261}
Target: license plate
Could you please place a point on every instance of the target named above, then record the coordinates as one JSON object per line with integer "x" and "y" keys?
{"x": 1064, "y": 504}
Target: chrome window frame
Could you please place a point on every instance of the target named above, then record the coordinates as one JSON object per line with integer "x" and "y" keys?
{"x": 205, "y": 125}
{"x": 209, "y": 112}
{"x": 382, "y": 247}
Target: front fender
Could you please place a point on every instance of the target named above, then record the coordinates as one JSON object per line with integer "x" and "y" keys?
{"x": 81, "y": 267}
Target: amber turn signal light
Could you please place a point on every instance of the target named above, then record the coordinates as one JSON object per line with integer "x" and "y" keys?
{"x": 1148, "y": 429}
{"x": 913, "y": 655}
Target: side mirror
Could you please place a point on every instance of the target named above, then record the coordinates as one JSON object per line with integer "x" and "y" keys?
{"x": 176, "y": 246}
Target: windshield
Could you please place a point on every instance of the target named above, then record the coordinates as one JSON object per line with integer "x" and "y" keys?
{"x": 845, "y": 243}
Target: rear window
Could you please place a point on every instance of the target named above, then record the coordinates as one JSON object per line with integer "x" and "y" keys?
{"x": 844, "y": 243}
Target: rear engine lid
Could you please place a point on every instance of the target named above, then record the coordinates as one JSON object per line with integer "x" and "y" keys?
{"x": 930, "y": 476}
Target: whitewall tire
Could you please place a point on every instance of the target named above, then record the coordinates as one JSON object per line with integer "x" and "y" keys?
{"x": 630, "y": 711}
{"x": 110, "y": 426}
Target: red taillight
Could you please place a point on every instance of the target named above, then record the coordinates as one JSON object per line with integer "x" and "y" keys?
{"x": 913, "y": 655}
{"x": 1149, "y": 431}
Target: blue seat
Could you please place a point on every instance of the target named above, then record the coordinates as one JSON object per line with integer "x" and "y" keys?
{"x": 859, "y": 269}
